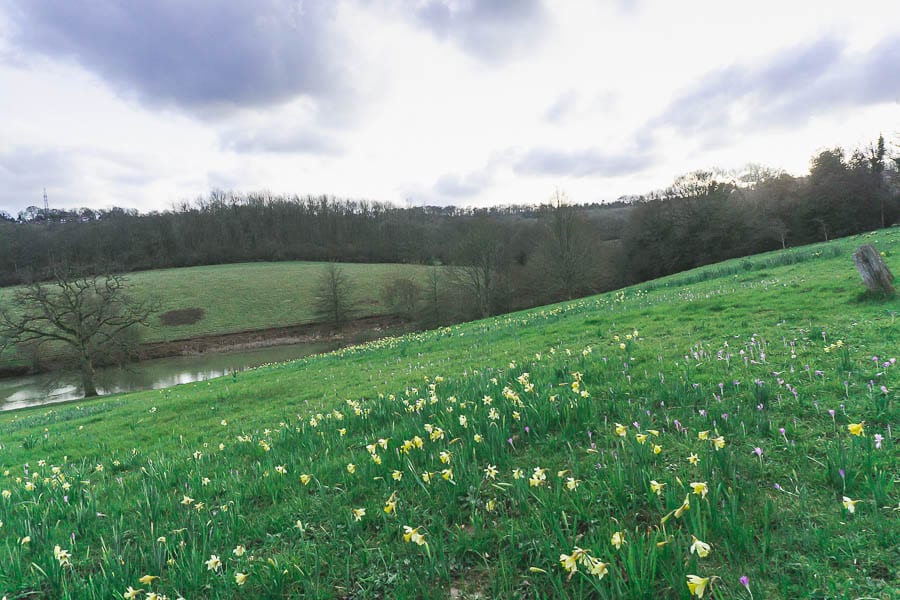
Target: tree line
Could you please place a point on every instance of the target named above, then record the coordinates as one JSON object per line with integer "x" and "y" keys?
{"x": 506, "y": 257}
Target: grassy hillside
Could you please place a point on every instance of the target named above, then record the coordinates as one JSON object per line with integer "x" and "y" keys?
{"x": 587, "y": 449}
{"x": 248, "y": 296}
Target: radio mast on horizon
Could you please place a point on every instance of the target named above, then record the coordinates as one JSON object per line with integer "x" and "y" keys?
{"x": 46, "y": 204}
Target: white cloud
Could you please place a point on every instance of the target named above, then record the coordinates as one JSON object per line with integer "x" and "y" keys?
{"x": 443, "y": 101}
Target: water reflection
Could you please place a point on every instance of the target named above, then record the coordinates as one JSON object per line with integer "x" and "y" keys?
{"x": 35, "y": 390}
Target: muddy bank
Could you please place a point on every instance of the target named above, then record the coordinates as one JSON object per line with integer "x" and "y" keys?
{"x": 356, "y": 331}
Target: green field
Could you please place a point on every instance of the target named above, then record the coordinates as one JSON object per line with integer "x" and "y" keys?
{"x": 586, "y": 449}
{"x": 248, "y": 296}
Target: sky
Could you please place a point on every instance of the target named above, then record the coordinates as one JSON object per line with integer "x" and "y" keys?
{"x": 144, "y": 104}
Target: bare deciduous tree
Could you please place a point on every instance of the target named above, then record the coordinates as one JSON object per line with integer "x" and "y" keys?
{"x": 481, "y": 255}
{"x": 334, "y": 296}
{"x": 88, "y": 315}
{"x": 566, "y": 251}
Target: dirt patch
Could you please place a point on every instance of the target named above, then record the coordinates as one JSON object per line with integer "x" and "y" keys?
{"x": 182, "y": 316}
{"x": 356, "y": 331}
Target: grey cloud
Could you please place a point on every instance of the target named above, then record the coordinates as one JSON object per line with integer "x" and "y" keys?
{"x": 488, "y": 29}
{"x": 199, "y": 55}
{"x": 289, "y": 141}
{"x": 570, "y": 105}
{"x": 25, "y": 172}
{"x": 794, "y": 86}
{"x": 580, "y": 163}
{"x": 561, "y": 107}
{"x": 456, "y": 185}
{"x": 453, "y": 188}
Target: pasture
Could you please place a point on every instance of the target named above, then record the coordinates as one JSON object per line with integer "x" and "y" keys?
{"x": 728, "y": 432}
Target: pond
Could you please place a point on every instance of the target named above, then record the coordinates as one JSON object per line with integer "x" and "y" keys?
{"x": 46, "y": 388}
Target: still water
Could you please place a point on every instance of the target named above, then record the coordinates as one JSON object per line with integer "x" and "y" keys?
{"x": 45, "y": 388}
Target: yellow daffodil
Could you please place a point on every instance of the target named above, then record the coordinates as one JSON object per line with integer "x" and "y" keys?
{"x": 239, "y": 550}
{"x": 856, "y": 428}
{"x": 597, "y": 567}
{"x": 491, "y": 471}
{"x": 641, "y": 438}
{"x": 701, "y": 548}
{"x": 61, "y": 555}
{"x": 351, "y": 468}
{"x": 305, "y": 478}
{"x": 391, "y": 504}
{"x": 719, "y": 442}
{"x": 703, "y": 435}
{"x": 397, "y": 475}
{"x": 685, "y": 506}
{"x": 572, "y": 483}
{"x": 358, "y": 513}
{"x": 693, "y": 459}
{"x": 700, "y": 488}
{"x": 621, "y": 430}
{"x": 538, "y": 477}
{"x": 131, "y": 593}
{"x": 655, "y": 432}
{"x": 447, "y": 474}
{"x": 281, "y": 469}
{"x": 213, "y": 564}
{"x": 426, "y": 477}
{"x": 657, "y": 448}
{"x": 518, "y": 474}
{"x": 147, "y": 579}
{"x": 569, "y": 562}
{"x": 477, "y": 437}
{"x": 697, "y": 585}
{"x": 618, "y": 538}
{"x": 445, "y": 457}
{"x": 850, "y": 505}
{"x": 412, "y": 534}
{"x": 656, "y": 487}
{"x": 490, "y": 505}
{"x": 240, "y": 578}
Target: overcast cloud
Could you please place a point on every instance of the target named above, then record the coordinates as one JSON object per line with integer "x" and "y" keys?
{"x": 794, "y": 86}
{"x": 198, "y": 54}
{"x": 145, "y": 104}
{"x": 491, "y": 30}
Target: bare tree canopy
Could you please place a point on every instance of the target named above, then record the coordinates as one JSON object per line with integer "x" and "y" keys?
{"x": 334, "y": 296}
{"x": 88, "y": 315}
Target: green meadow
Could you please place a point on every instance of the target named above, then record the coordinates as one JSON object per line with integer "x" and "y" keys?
{"x": 729, "y": 432}
{"x": 250, "y": 296}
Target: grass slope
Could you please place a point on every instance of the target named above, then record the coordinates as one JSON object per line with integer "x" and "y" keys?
{"x": 247, "y": 296}
{"x": 548, "y": 453}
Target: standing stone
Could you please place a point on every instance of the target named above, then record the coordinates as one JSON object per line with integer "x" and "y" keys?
{"x": 875, "y": 274}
